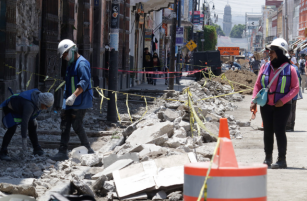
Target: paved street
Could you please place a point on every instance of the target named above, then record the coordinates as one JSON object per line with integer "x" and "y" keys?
{"x": 282, "y": 185}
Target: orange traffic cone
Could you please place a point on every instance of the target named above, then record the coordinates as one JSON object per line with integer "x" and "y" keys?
{"x": 227, "y": 157}
{"x": 224, "y": 131}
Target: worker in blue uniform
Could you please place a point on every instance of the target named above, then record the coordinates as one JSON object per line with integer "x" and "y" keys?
{"x": 22, "y": 109}
{"x": 78, "y": 97}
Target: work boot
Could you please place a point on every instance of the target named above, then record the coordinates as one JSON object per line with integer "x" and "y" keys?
{"x": 38, "y": 151}
{"x": 89, "y": 150}
{"x": 280, "y": 164}
{"x": 62, "y": 155}
{"x": 4, "y": 156}
{"x": 268, "y": 160}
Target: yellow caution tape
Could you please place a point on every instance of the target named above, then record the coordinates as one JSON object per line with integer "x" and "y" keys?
{"x": 145, "y": 107}
{"x": 52, "y": 85}
{"x": 115, "y": 94}
{"x": 60, "y": 86}
{"x": 202, "y": 190}
{"x": 128, "y": 109}
{"x": 102, "y": 97}
{"x": 46, "y": 78}
{"x": 29, "y": 81}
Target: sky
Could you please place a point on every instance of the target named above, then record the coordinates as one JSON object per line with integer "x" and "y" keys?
{"x": 238, "y": 8}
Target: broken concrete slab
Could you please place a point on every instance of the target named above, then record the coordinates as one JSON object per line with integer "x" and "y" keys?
{"x": 170, "y": 115}
{"x": 142, "y": 196}
{"x": 206, "y": 150}
{"x": 173, "y": 105}
{"x": 115, "y": 166}
{"x": 185, "y": 125}
{"x": 169, "y": 177}
{"x": 147, "y": 122}
{"x": 76, "y": 153}
{"x": 89, "y": 160}
{"x": 17, "y": 181}
{"x": 175, "y": 196}
{"x": 109, "y": 160}
{"x": 159, "y": 140}
{"x": 175, "y": 142}
{"x": 18, "y": 189}
{"x": 81, "y": 186}
{"x": 161, "y": 195}
{"x": 149, "y": 133}
{"x": 98, "y": 184}
{"x": 180, "y": 133}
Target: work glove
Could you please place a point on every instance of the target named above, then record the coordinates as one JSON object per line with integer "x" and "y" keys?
{"x": 71, "y": 99}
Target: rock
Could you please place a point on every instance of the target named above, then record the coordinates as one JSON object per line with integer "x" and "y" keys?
{"x": 109, "y": 186}
{"x": 180, "y": 133}
{"x": 147, "y": 122}
{"x": 170, "y": 115}
{"x": 110, "y": 196}
{"x": 159, "y": 140}
{"x": 37, "y": 174}
{"x": 98, "y": 184}
{"x": 183, "y": 108}
{"x": 175, "y": 142}
{"x": 231, "y": 118}
{"x": 109, "y": 160}
{"x": 237, "y": 97}
{"x": 213, "y": 117}
{"x": 161, "y": 195}
{"x": 175, "y": 196}
{"x": 177, "y": 122}
{"x": 244, "y": 123}
{"x": 185, "y": 125}
{"x": 214, "y": 130}
{"x": 173, "y": 105}
{"x": 206, "y": 150}
{"x": 89, "y": 160}
{"x": 115, "y": 166}
{"x": 76, "y": 153}
{"x": 147, "y": 150}
{"x": 18, "y": 189}
{"x": 149, "y": 133}
{"x": 82, "y": 187}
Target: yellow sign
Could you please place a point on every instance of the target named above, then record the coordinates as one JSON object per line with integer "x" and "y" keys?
{"x": 191, "y": 45}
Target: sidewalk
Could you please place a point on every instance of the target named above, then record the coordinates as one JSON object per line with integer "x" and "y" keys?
{"x": 184, "y": 81}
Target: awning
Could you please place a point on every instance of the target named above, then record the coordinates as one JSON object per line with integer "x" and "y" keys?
{"x": 299, "y": 45}
{"x": 152, "y": 5}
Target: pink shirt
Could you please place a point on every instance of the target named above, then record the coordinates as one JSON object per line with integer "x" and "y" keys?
{"x": 294, "y": 87}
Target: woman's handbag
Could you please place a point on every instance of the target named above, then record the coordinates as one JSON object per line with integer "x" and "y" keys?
{"x": 262, "y": 96}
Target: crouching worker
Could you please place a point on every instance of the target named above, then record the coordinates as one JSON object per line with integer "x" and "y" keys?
{"x": 22, "y": 109}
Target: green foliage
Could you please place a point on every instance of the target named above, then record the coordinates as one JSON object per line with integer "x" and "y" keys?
{"x": 237, "y": 31}
{"x": 219, "y": 30}
{"x": 210, "y": 37}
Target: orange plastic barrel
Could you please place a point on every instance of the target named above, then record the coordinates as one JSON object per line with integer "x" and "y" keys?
{"x": 227, "y": 180}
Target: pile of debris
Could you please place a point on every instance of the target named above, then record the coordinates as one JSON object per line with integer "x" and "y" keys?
{"x": 144, "y": 161}
{"x": 247, "y": 80}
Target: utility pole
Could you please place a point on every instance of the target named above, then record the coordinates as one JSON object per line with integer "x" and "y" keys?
{"x": 113, "y": 71}
{"x": 173, "y": 44}
{"x": 179, "y": 48}
{"x": 286, "y": 8}
{"x": 193, "y": 9}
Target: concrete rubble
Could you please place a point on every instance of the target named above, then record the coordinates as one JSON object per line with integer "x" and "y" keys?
{"x": 145, "y": 160}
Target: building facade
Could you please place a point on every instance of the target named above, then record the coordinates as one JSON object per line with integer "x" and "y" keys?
{"x": 227, "y": 20}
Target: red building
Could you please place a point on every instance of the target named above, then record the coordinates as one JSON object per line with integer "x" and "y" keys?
{"x": 303, "y": 19}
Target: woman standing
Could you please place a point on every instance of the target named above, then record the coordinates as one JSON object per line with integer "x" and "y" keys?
{"x": 276, "y": 112}
{"x": 157, "y": 66}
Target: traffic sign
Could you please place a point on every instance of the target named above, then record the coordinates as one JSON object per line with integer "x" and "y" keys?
{"x": 96, "y": 3}
{"x": 191, "y": 45}
{"x": 179, "y": 36}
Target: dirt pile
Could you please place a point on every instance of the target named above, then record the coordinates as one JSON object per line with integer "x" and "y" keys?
{"x": 243, "y": 78}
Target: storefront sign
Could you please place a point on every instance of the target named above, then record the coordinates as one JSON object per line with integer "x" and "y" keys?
{"x": 229, "y": 50}
{"x": 179, "y": 36}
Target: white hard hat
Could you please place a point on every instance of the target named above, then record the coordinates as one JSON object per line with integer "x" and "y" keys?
{"x": 65, "y": 45}
{"x": 280, "y": 43}
{"x": 288, "y": 56}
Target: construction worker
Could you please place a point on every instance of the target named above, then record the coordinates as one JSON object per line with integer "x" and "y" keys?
{"x": 276, "y": 112}
{"x": 291, "y": 119}
{"x": 78, "y": 97}
{"x": 22, "y": 109}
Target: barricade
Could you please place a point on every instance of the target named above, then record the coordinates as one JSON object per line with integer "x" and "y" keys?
{"x": 224, "y": 179}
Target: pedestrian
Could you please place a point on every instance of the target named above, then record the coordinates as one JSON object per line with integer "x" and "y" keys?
{"x": 255, "y": 64}
{"x": 276, "y": 112}
{"x": 148, "y": 64}
{"x": 22, "y": 109}
{"x": 302, "y": 65}
{"x": 187, "y": 62}
{"x": 156, "y": 67}
{"x": 293, "y": 57}
{"x": 291, "y": 120}
{"x": 78, "y": 97}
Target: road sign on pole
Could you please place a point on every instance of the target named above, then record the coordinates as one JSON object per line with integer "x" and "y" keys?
{"x": 191, "y": 45}
{"x": 179, "y": 36}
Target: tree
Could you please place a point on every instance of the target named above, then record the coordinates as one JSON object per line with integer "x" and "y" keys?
{"x": 237, "y": 31}
{"x": 219, "y": 30}
{"x": 210, "y": 37}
